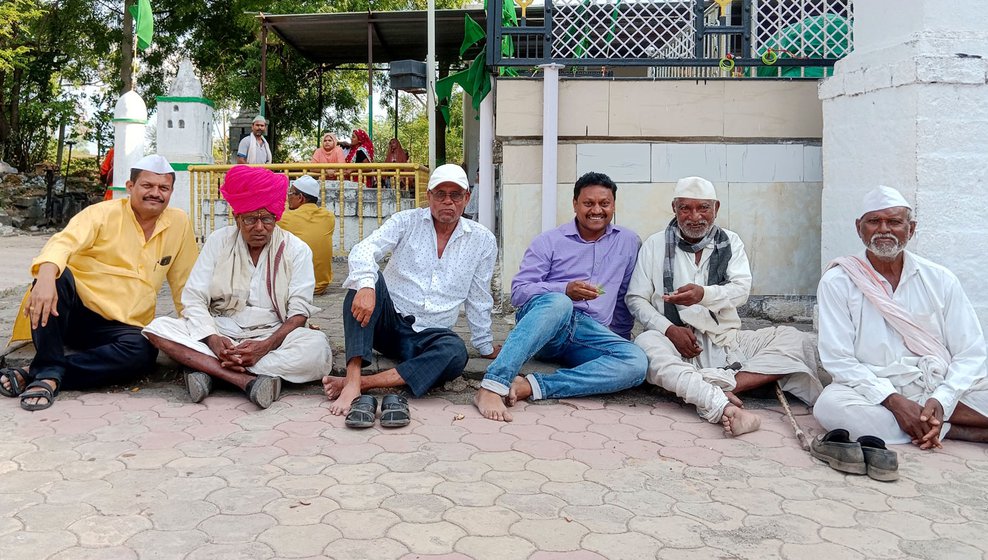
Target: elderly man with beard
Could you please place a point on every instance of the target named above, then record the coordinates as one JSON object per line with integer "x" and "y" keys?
{"x": 686, "y": 289}
{"x": 570, "y": 298}
{"x": 96, "y": 286}
{"x": 900, "y": 338}
{"x": 247, "y": 300}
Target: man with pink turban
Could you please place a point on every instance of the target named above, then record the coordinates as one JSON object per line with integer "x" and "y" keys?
{"x": 247, "y": 300}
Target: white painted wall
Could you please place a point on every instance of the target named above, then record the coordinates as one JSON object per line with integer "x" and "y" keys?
{"x": 758, "y": 142}
{"x": 909, "y": 108}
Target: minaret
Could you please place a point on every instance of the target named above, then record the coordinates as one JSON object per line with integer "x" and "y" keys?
{"x": 185, "y": 130}
{"x": 130, "y": 118}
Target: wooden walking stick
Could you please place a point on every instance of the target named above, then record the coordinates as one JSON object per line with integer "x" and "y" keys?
{"x": 792, "y": 419}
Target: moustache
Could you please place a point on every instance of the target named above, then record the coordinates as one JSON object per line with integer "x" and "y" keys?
{"x": 154, "y": 198}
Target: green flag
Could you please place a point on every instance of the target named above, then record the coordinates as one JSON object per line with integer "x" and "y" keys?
{"x": 143, "y": 23}
{"x": 472, "y": 33}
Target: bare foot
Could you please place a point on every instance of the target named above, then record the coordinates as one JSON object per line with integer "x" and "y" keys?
{"x": 342, "y": 404}
{"x": 733, "y": 399}
{"x": 332, "y": 386}
{"x": 491, "y": 405}
{"x": 737, "y": 421}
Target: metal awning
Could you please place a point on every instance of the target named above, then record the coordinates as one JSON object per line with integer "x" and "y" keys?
{"x": 341, "y": 38}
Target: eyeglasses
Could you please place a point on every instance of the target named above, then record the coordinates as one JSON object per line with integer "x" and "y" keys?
{"x": 455, "y": 196}
{"x": 251, "y": 221}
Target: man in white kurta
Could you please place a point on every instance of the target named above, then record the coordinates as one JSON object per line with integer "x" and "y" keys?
{"x": 247, "y": 300}
{"x": 900, "y": 338}
{"x": 688, "y": 302}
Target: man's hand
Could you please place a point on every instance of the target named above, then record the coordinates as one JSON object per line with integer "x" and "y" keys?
{"x": 689, "y": 294}
{"x": 492, "y": 355}
{"x": 222, "y": 347}
{"x": 578, "y": 290}
{"x": 251, "y": 351}
{"x": 684, "y": 340}
{"x": 907, "y": 415}
{"x": 44, "y": 299}
{"x": 363, "y": 305}
{"x": 932, "y": 418}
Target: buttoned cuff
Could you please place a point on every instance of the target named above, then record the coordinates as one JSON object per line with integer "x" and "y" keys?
{"x": 876, "y": 391}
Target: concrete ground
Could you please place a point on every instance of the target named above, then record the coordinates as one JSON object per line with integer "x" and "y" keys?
{"x": 141, "y": 472}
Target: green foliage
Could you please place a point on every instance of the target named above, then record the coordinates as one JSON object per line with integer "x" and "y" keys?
{"x": 413, "y": 130}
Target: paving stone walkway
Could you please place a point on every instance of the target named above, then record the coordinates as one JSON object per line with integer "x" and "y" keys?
{"x": 140, "y": 472}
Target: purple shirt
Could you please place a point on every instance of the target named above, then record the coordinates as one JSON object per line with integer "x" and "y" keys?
{"x": 559, "y": 256}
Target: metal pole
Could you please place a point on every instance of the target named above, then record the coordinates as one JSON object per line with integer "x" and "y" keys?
{"x": 396, "y": 113}
{"x": 319, "y": 116}
{"x": 550, "y": 135}
{"x": 370, "y": 78}
{"x": 430, "y": 77}
{"x": 485, "y": 204}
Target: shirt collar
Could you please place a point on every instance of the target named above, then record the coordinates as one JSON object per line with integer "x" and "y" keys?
{"x": 569, "y": 230}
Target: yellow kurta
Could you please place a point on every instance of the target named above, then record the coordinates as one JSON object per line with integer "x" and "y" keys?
{"x": 315, "y": 226}
{"x": 117, "y": 273}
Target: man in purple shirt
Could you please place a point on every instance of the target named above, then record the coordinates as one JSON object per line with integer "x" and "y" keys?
{"x": 570, "y": 299}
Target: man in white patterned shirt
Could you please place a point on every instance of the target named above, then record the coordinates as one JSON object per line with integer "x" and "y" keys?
{"x": 439, "y": 261}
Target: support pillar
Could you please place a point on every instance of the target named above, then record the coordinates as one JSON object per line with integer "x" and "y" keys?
{"x": 130, "y": 118}
{"x": 550, "y": 137}
{"x": 907, "y": 109}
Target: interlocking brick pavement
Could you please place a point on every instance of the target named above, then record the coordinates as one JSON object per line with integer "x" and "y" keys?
{"x": 140, "y": 472}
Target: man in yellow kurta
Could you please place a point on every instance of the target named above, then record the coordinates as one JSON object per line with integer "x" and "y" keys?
{"x": 312, "y": 224}
{"x": 96, "y": 286}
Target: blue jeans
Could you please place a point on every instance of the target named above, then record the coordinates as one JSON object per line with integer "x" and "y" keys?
{"x": 595, "y": 360}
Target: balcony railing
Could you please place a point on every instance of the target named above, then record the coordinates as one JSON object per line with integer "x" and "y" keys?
{"x": 360, "y": 195}
{"x": 771, "y": 38}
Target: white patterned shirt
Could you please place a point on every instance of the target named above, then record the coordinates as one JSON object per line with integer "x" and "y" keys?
{"x": 425, "y": 286}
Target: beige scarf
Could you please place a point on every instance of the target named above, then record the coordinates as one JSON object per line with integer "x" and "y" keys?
{"x": 230, "y": 285}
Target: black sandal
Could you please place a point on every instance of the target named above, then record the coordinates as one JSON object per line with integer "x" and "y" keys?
{"x": 15, "y": 386}
{"x": 38, "y": 390}
{"x": 363, "y": 409}
{"x": 394, "y": 411}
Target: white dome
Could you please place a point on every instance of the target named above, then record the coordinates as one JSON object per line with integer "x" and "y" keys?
{"x": 130, "y": 106}
{"x": 185, "y": 84}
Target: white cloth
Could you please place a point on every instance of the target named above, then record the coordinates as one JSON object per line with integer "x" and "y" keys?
{"x": 882, "y": 198}
{"x": 428, "y": 287}
{"x": 254, "y": 151}
{"x": 862, "y": 352}
{"x": 305, "y": 355}
{"x": 702, "y": 380}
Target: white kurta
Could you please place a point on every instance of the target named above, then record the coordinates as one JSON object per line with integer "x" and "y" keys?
{"x": 305, "y": 354}
{"x": 869, "y": 360}
{"x": 702, "y": 381}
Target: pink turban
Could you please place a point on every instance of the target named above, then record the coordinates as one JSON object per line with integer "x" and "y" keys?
{"x": 251, "y": 188}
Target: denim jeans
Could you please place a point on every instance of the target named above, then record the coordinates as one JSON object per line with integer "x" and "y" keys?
{"x": 427, "y": 358}
{"x": 594, "y": 359}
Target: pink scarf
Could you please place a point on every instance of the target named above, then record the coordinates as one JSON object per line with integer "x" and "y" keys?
{"x": 917, "y": 339}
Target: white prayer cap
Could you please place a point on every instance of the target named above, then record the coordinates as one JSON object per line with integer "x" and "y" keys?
{"x": 695, "y": 187}
{"x": 155, "y": 164}
{"x": 449, "y": 173}
{"x": 308, "y": 185}
{"x": 882, "y": 197}
{"x": 259, "y": 119}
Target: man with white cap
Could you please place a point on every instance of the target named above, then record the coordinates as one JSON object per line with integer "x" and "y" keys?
{"x": 314, "y": 225}
{"x": 96, "y": 286}
{"x": 439, "y": 261}
{"x": 686, "y": 289}
{"x": 254, "y": 147}
{"x": 569, "y": 292}
{"x": 900, "y": 338}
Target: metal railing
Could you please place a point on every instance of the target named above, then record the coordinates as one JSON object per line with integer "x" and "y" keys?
{"x": 353, "y": 192}
{"x": 683, "y": 38}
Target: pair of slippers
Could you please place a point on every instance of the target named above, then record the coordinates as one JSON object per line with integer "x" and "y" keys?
{"x": 363, "y": 411}
{"x": 868, "y": 455}
{"x": 35, "y": 389}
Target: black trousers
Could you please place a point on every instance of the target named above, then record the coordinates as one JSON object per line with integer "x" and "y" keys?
{"x": 109, "y": 352}
{"x": 427, "y": 358}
